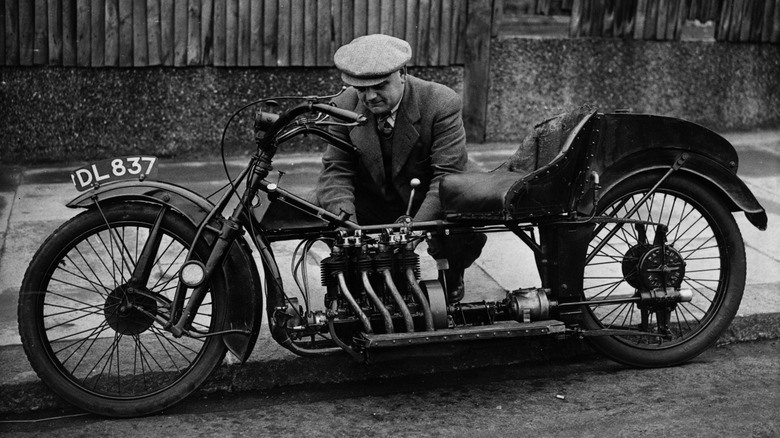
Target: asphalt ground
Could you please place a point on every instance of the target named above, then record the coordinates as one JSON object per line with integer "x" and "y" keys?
{"x": 32, "y": 205}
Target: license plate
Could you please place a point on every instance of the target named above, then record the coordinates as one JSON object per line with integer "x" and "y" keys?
{"x": 113, "y": 169}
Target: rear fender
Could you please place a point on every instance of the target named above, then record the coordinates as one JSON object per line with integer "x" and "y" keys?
{"x": 722, "y": 179}
{"x": 243, "y": 283}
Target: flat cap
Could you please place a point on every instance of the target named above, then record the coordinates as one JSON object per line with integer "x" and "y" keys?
{"x": 368, "y": 60}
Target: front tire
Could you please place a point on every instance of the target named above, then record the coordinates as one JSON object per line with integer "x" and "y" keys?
{"x": 702, "y": 233}
{"x": 97, "y": 342}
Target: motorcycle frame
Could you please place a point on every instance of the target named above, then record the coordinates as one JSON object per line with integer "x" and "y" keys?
{"x": 563, "y": 238}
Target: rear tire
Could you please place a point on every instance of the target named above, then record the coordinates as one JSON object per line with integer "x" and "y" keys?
{"x": 95, "y": 342}
{"x": 705, "y": 235}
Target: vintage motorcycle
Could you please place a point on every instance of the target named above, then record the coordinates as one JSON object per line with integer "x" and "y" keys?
{"x": 128, "y": 307}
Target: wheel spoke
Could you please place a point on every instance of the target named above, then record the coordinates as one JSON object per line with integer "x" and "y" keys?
{"x": 614, "y": 265}
{"x": 96, "y": 333}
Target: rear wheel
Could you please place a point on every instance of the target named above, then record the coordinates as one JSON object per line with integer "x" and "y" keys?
{"x": 94, "y": 336}
{"x": 703, "y": 252}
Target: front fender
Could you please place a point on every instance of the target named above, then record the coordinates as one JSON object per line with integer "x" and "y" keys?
{"x": 243, "y": 285}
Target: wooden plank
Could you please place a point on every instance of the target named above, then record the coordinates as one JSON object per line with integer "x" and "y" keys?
{"x": 721, "y": 25}
{"x": 423, "y": 30}
{"x": 310, "y": 33}
{"x": 167, "y": 32}
{"x": 220, "y": 12}
{"x": 69, "y": 30}
{"x": 140, "y": 44}
{"x": 399, "y": 18}
{"x": 386, "y": 17}
{"x": 98, "y": 33}
{"x": 749, "y": 23}
{"x": 374, "y": 18}
{"x": 285, "y": 29}
{"x": 180, "y": 33}
{"x": 206, "y": 33}
{"x": 626, "y": 17}
{"x": 2, "y": 32}
{"x": 125, "y": 33}
{"x": 596, "y": 18}
{"x": 575, "y": 22}
{"x": 742, "y": 32}
{"x": 672, "y": 19}
{"x": 297, "y": 32}
{"x": 585, "y": 18}
{"x": 434, "y": 23}
{"x": 12, "y": 32}
{"x": 54, "y": 12}
{"x": 498, "y": 15}
{"x": 445, "y": 33}
{"x": 360, "y": 22}
{"x": 457, "y": 32}
{"x": 111, "y": 56}
{"x": 736, "y": 20}
{"x": 766, "y": 23}
{"x": 83, "y": 33}
{"x": 244, "y": 49}
{"x": 476, "y": 76}
{"x": 193, "y": 33}
{"x": 270, "y": 32}
{"x": 256, "y": 11}
{"x": 775, "y": 37}
{"x": 231, "y": 33}
{"x": 651, "y": 20}
{"x": 757, "y": 18}
{"x": 660, "y": 24}
{"x": 412, "y": 10}
{"x": 41, "y": 39}
{"x": 335, "y": 20}
{"x": 462, "y": 26}
{"x": 608, "y": 19}
{"x": 26, "y": 32}
{"x": 324, "y": 55}
{"x": 347, "y": 21}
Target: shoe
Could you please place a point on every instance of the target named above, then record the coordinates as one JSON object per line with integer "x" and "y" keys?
{"x": 452, "y": 280}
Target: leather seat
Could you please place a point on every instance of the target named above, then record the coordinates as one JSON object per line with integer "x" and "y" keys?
{"x": 535, "y": 180}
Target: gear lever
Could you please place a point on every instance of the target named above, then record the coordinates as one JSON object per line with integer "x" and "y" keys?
{"x": 414, "y": 183}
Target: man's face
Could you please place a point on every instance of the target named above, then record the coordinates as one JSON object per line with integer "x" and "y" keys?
{"x": 380, "y": 99}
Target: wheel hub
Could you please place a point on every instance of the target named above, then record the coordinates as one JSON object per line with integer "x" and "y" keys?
{"x": 662, "y": 267}
{"x": 129, "y": 312}
{"x": 650, "y": 267}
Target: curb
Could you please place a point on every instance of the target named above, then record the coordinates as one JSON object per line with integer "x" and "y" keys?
{"x": 25, "y": 392}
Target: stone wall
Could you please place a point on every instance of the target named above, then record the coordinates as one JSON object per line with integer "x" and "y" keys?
{"x": 72, "y": 114}
{"x": 723, "y": 86}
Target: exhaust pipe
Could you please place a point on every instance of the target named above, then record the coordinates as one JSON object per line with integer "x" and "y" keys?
{"x": 399, "y": 300}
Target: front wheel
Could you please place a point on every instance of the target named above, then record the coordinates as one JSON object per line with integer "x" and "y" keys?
{"x": 94, "y": 335}
{"x": 699, "y": 247}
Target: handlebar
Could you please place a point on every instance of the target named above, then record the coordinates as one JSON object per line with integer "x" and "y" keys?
{"x": 339, "y": 113}
{"x": 273, "y": 124}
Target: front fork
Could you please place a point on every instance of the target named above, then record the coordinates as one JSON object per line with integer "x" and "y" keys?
{"x": 231, "y": 228}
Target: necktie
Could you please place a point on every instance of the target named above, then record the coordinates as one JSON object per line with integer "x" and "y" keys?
{"x": 385, "y": 128}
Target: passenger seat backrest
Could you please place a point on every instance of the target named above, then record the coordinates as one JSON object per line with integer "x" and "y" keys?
{"x": 545, "y": 142}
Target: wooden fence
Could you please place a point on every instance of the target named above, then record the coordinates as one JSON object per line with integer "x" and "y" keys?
{"x": 756, "y": 21}
{"x": 140, "y": 33}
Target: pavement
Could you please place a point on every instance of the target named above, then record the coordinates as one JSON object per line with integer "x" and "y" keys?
{"x": 32, "y": 205}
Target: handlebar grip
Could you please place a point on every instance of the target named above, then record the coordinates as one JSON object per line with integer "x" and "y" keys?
{"x": 340, "y": 113}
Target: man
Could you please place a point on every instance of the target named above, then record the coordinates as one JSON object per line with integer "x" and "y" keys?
{"x": 414, "y": 130}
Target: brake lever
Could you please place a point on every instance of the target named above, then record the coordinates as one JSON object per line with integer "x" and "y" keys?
{"x": 317, "y": 99}
{"x": 332, "y": 123}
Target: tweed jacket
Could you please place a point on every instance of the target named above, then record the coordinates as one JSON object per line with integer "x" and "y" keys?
{"x": 428, "y": 142}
